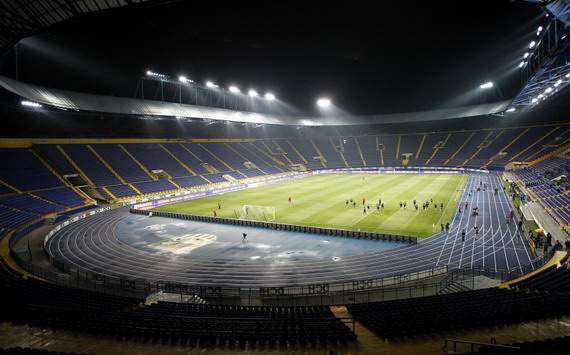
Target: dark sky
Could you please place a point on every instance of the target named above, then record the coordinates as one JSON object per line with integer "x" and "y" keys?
{"x": 393, "y": 56}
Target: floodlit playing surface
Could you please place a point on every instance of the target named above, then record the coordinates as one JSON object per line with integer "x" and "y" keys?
{"x": 320, "y": 201}
{"x": 224, "y": 243}
{"x": 120, "y": 244}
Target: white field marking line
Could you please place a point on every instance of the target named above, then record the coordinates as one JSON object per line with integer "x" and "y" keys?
{"x": 490, "y": 226}
{"x": 364, "y": 215}
{"x": 475, "y": 237}
{"x": 455, "y": 239}
{"x": 415, "y": 213}
{"x": 488, "y": 202}
{"x": 490, "y": 232}
{"x": 464, "y": 243}
{"x": 466, "y": 188}
{"x": 493, "y": 234}
{"x": 502, "y": 239}
{"x": 447, "y": 205}
{"x": 301, "y": 208}
{"x": 485, "y": 212}
{"x": 524, "y": 242}
{"x": 503, "y": 195}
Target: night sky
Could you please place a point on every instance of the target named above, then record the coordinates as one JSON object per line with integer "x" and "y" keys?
{"x": 395, "y": 56}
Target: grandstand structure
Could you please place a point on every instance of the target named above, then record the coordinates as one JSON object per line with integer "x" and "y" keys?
{"x": 85, "y": 249}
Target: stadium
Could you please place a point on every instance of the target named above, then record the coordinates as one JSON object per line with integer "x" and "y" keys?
{"x": 284, "y": 179}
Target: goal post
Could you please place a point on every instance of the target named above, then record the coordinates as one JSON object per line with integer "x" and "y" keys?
{"x": 258, "y": 213}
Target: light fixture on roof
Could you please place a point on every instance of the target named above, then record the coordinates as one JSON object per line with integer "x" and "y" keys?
{"x": 548, "y": 90}
{"x": 557, "y": 83}
{"x": 156, "y": 75}
{"x": 30, "y": 104}
{"x": 540, "y": 96}
{"x": 532, "y": 44}
{"x": 324, "y": 102}
{"x": 211, "y": 84}
{"x": 534, "y": 100}
{"x": 567, "y": 75}
{"x": 521, "y": 64}
{"x": 525, "y": 55}
{"x": 486, "y": 85}
{"x": 512, "y": 109}
{"x": 184, "y": 79}
{"x": 234, "y": 89}
{"x": 252, "y": 93}
{"x": 269, "y": 96}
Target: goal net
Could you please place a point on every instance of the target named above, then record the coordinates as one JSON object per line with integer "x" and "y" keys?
{"x": 258, "y": 213}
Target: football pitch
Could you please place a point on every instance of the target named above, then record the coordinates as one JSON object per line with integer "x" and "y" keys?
{"x": 320, "y": 201}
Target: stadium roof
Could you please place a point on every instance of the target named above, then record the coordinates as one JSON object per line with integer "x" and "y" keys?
{"x": 119, "y": 105}
{"x": 24, "y": 18}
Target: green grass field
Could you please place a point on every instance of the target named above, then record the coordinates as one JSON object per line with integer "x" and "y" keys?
{"x": 320, "y": 201}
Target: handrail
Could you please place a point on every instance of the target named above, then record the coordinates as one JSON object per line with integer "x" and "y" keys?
{"x": 473, "y": 344}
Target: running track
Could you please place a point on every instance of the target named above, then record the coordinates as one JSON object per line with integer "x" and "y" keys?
{"x": 92, "y": 245}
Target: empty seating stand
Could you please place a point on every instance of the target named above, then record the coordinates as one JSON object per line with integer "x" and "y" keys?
{"x": 121, "y": 190}
{"x": 21, "y": 169}
{"x": 457, "y": 310}
{"x": 62, "y": 196}
{"x": 126, "y": 167}
{"x": 149, "y": 187}
{"x": 551, "y": 193}
{"x": 11, "y": 218}
{"x": 42, "y": 304}
{"x": 25, "y": 202}
{"x": 95, "y": 170}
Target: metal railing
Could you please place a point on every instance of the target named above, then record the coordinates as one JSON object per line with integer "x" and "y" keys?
{"x": 283, "y": 226}
{"x": 357, "y": 291}
{"x": 455, "y": 346}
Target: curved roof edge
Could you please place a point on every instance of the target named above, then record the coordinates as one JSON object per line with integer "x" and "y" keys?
{"x": 121, "y": 105}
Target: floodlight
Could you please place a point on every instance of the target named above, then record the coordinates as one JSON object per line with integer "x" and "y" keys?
{"x": 211, "y": 84}
{"x": 512, "y": 109}
{"x": 157, "y": 75}
{"x": 521, "y": 64}
{"x": 252, "y": 93}
{"x": 548, "y": 89}
{"x": 486, "y": 85}
{"x": 30, "y": 104}
{"x": 324, "y": 102}
{"x": 532, "y": 44}
{"x": 525, "y": 56}
{"x": 557, "y": 83}
{"x": 234, "y": 89}
{"x": 184, "y": 79}
{"x": 534, "y": 100}
{"x": 269, "y": 96}
{"x": 540, "y": 96}
{"x": 539, "y": 28}
{"x": 567, "y": 75}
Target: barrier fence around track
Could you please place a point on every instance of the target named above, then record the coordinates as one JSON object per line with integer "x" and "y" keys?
{"x": 282, "y": 226}
{"x": 317, "y": 294}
